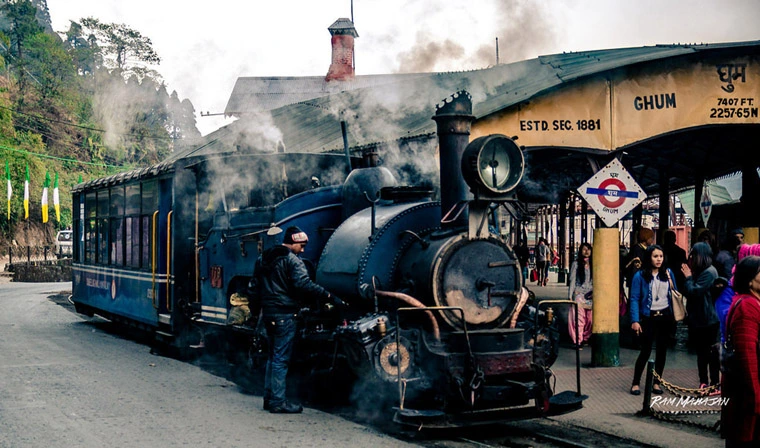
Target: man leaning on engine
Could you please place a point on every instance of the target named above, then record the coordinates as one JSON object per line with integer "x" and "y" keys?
{"x": 282, "y": 283}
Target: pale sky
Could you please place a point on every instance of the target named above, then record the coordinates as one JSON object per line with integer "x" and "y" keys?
{"x": 206, "y": 45}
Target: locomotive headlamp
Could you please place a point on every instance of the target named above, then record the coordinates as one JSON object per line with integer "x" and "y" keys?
{"x": 492, "y": 166}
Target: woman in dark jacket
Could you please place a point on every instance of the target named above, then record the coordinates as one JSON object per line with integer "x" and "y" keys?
{"x": 702, "y": 318}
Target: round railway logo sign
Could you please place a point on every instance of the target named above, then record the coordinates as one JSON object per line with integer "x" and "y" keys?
{"x": 603, "y": 197}
{"x": 612, "y": 193}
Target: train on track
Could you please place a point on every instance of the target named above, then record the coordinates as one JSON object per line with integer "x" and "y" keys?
{"x": 438, "y": 315}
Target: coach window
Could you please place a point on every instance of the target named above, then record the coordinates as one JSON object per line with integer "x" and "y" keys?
{"x": 132, "y": 226}
{"x": 117, "y": 225}
{"x": 103, "y": 199}
{"x": 149, "y": 205}
{"x": 90, "y": 225}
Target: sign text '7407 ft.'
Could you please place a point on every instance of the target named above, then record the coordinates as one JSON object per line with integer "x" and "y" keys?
{"x": 560, "y": 125}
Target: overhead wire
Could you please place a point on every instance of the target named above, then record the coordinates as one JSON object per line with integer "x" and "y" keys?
{"x": 90, "y": 128}
{"x": 46, "y": 156}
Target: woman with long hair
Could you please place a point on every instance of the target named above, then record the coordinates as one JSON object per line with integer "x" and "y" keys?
{"x": 652, "y": 318}
{"x": 581, "y": 293}
{"x": 702, "y": 318}
{"x": 740, "y": 419}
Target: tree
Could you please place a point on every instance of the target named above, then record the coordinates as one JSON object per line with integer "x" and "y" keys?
{"x": 84, "y": 51}
{"x": 122, "y": 48}
{"x": 22, "y": 25}
{"x": 182, "y": 124}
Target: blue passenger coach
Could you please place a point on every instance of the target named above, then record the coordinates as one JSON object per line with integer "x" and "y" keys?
{"x": 141, "y": 252}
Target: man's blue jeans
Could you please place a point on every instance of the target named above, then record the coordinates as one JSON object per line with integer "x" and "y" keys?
{"x": 281, "y": 330}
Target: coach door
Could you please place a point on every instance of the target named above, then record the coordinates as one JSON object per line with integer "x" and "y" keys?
{"x": 161, "y": 226}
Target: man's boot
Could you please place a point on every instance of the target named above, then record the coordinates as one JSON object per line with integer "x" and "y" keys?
{"x": 286, "y": 408}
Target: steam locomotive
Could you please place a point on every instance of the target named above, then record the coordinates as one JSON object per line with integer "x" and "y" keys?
{"x": 437, "y": 310}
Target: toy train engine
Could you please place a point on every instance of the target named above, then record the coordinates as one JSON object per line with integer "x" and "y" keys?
{"x": 449, "y": 322}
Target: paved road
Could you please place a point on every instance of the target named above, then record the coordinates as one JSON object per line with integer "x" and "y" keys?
{"x": 65, "y": 382}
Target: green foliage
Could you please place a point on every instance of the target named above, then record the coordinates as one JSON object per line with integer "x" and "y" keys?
{"x": 118, "y": 45}
{"x": 75, "y": 103}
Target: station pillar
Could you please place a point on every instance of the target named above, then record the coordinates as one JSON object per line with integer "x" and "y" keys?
{"x": 605, "y": 340}
{"x": 751, "y": 235}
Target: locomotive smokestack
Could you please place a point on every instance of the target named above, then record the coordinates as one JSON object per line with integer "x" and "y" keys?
{"x": 342, "y": 65}
{"x": 453, "y": 119}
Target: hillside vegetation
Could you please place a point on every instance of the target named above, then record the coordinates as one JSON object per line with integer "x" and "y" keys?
{"x": 83, "y": 103}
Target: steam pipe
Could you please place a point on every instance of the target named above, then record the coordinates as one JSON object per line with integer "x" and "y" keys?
{"x": 409, "y": 300}
{"x": 345, "y": 144}
{"x": 453, "y": 120}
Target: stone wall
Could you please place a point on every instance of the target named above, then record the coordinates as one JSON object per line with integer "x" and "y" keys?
{"x": 42, "y": 271}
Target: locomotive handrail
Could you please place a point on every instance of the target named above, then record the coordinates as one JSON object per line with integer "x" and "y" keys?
{"x": 153, "y": 257}
{"x": 279, "y": 223}
{"x": 168, "y": 258}
{"x": 572, "y": 303}
{"x": 415, "y": 303}
{"x": 464, "y": 205}
{"x": 398, "y": 339}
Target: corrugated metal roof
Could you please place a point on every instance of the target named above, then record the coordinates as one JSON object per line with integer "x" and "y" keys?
{"x": 393, "y": 106}
{"x": 267, "y": 93}
{"x": 389, "y": 107}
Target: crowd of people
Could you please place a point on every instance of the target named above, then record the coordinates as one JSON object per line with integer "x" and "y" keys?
{"x": 722, "y": 302}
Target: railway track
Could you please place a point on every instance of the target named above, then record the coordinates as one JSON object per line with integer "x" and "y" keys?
{"x": 537, "y": 433}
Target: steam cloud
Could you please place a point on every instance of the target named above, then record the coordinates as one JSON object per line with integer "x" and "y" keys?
{"x": 426, "y": 53}
{"x": 525, "y": 30}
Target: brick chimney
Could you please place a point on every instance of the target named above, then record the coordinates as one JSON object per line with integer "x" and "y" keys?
{"x": 342, "y": 65}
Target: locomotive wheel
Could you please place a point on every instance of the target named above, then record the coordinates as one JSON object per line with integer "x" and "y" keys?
{"x": 392, "y": 358}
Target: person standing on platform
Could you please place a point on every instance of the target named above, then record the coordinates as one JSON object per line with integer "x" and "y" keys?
{"x": 581, "y": 290}
{"x": 706, "y": 236}
{"x": 543, "y": 257}
{"x": 702, "y": 318}
{"x": 651, "y": 314}
{"x": 739, "y": 232}
{"x": 523, "y": 256}
{"x": 740, "y": 416}
{"x": 675, "y": 257}
{"x": 725, "y": 259}
{"x": 726, "y": 297}
{"x": 644, "y": 239}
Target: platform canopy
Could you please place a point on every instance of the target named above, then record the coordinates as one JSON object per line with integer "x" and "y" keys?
{"x": 670, "y": 113}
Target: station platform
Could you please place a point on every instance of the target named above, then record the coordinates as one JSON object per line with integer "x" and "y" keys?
{"x": 611, "y": 409}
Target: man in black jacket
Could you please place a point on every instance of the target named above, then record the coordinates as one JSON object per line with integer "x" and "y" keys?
{"x": 281, "y": 281}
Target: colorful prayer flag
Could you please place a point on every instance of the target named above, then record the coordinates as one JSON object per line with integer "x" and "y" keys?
{"x": 26, "y": 193}
{"x": 10, "y": 189}
{"x": 45, "y": 187}
{"x": 56, "y": 199}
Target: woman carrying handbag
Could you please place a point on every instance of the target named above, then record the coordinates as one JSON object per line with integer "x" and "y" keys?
{"x": 652, "y": 318}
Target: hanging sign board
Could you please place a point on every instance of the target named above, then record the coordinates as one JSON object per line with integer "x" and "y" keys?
{"x": 705, "y": 204}
{"x": 612, "y": 192}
